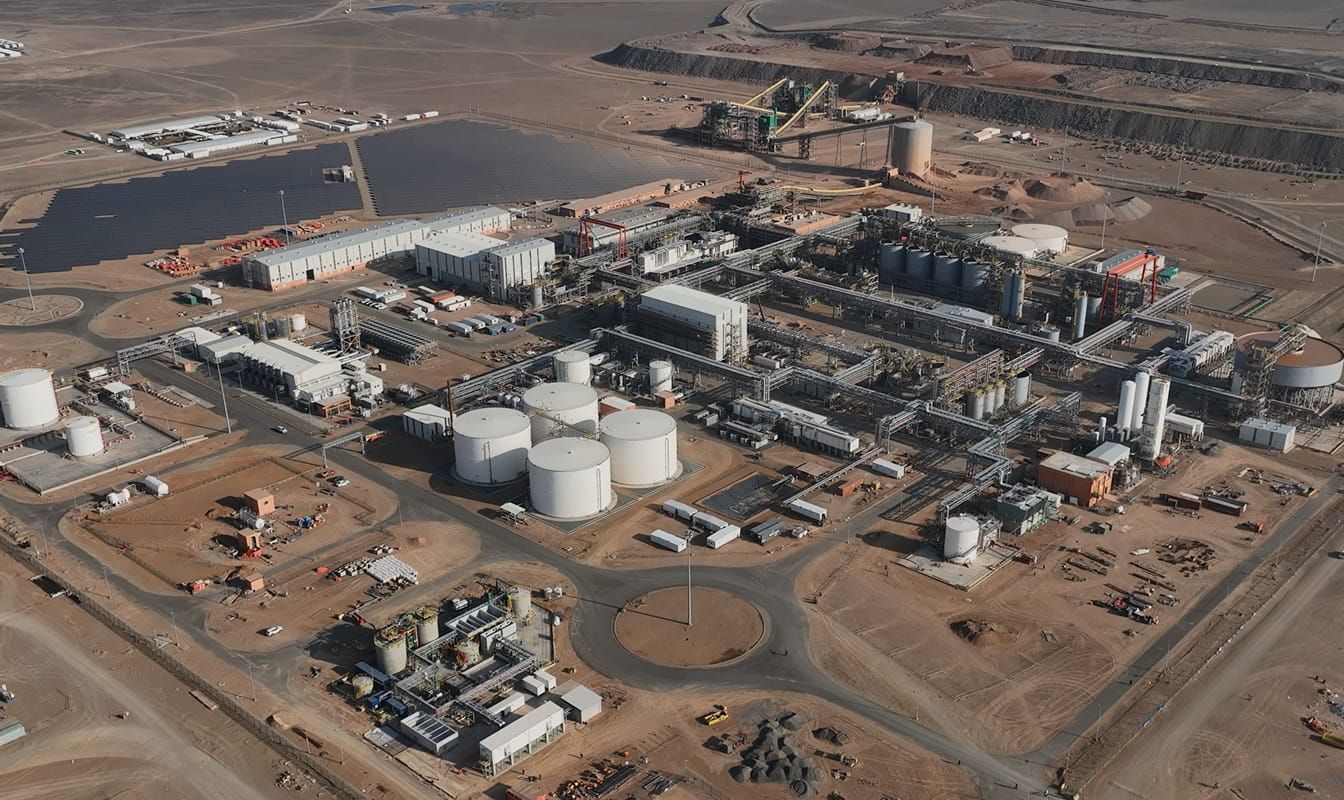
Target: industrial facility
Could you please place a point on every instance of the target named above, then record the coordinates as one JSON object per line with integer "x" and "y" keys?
{"x": 201, "y": 136}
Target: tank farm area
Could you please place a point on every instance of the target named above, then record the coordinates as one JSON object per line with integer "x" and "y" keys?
{"x": 748, "y": 474}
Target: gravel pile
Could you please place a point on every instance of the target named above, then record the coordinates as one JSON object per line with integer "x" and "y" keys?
{"x": 776, "y": 758}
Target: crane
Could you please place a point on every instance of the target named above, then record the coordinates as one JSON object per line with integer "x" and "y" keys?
{"x": 586, "y": 240}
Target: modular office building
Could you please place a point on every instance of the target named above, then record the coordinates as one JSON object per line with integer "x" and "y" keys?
{"x": 522, "y": 737}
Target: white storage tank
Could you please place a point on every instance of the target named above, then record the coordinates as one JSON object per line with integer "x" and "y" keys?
{"x": 660, "y": 376}
{"x": 1047, "y": 237}
{"x": 28, "y": 399}
{"x": 1021, "y": 389}
{"x": 490, "y": 445}
{"x": 84, "y": 437}
{"x": 390, "y": 649}
{"x": 961, "y": 539}
{"x": 1011, "y": 245}
{"x": 569, "y": 478}
{"x": 298, "y": 323}
{"x": 643, "y": 447}
{"x": 520, "y": 602}
{"x": 573, "y": 366}
{"x": 560, "y": 409}
{"x": 156, "y": 486}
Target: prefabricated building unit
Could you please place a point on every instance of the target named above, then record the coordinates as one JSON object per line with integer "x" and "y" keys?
{"x": 1276, "y": 436}
{"x": 573, "y": 366}
{"x": 560, "y": 409}
{"x": 569, "y": 478}
{"x": 669, "y": 541}
{"x": 520, "y": 738}
{"x": 490, "y": 446}
{"x": 643, "y": 446}
{"x": 428, "y": 422}
{"x": 912, "y": 147}
{"x": 84, "y": 437}
{"x": 693, "y": 320}
{"x": 28, "y": 399}
{"x": 961, "y": 539}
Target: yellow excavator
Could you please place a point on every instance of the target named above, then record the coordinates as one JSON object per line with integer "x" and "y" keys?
{"x": 715, "y": 717}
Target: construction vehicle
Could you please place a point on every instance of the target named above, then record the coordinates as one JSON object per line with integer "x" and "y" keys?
{"x": 1333, "y": 740}
{"x": 847, "y": 759}
{"x": 1253, "y": 527}
{"x": 1316, "y": 725}
{"x": 718, "y": 716}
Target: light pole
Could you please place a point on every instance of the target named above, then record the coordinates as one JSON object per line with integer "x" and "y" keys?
{"x": 284, "y": 215}
{"x": 1105, "y": 215}
{"x": 28, "y": 280}
{"x": 688, "y": 588}
{"x": 1320, "y": 240}
{"x": 228, "y": 423}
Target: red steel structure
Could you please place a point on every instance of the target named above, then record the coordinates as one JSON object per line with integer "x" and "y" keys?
{"x": 586, "y": 236}
{"x": 1146, "y": 264}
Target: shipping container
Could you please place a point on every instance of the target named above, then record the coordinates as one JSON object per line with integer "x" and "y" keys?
{"x": 1182, "y": 500}
{"x": 807, "y": 510}
{"x": 678, "y": 509}
{"x": 1234, "y": 507}
{"x": 667, "y": 540}
{"x": 723, "y": 536}
{"x": 848, "y": 487}
{"x": 765, "y": 531}
{"x": 889, "y": 468}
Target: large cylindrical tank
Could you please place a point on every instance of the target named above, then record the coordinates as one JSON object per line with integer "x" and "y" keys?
{"x": 28, "y": 399}
{"x": 975, "y": 405}
{"x": 1080, "y": 317}
{"x": 1125, "y": 411}
{"x": 1021, "y": 389}
{"x": 961, "y": 539}
{"x": 298, "y": 323}
{"x": 569, "y": 478}
{"x": 1047, "y": 237}
{"x": 912, "y": 147}
{"x": 538, "y": 298}
{"x": 573, "y": 366}
{"x": 490, "y": 445}
{"x": 974, "y": 275}
{"x": 891, "y": 261}
{"x": 1050, "y": 333}
{"x": 84, "y": 437}
{"x": 560, "y": 409}
{"x": 946, "y": 270}
{"x": 1317, "y": 364}
{"x": 466, "y": 653}
{"x": 919, "y": 265}
{"x": 520, "y": 602}
{"x": 1000, "y": 395}
{"x": 427, "y": 624}
{"x": 1011, "y": 245}
{"x": 660, "y": 376}
{"x": 643, "y": 446}
{"x": 1142, "y": 380}
{"x": 390, "y": 648}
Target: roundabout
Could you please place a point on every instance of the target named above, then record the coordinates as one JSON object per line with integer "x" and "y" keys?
{"x": 42, "y": 309}
{"x": 724, "y": 627}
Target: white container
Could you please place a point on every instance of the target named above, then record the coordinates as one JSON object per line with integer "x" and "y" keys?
{"x": 28, "y": 399}
{"x": 490, "y": 446}
{"x": 660, "y": 376}
{"x": 808, "y": 510}
{"x": 298, "y": 322}
{"x": 533, "y": 685}
{"x": 155, "y": 486}
{"x": 678, "y": 509}
{"x": 889, "y": 468}
{"x": 572, "y": 366}
{"x": 723, "y": 536}
{"x": 961, "y": 539}
{"x": 84, "y": 437}
{"x": 560, "y": 409}
{"x": 569, "y": 478}
{"x": 643, "y": 446}
{"x": 667, "y": 540}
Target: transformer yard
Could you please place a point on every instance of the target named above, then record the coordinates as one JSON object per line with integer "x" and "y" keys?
{"x": 682, "y": 402}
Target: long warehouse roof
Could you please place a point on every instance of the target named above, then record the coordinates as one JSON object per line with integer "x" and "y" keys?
{"x": 286, "y": 356}
{"x": 135, "y": 131}
{"x": 337, "y": 241}
{"x": 228, "y": 142}
{"x": 678, "y": 295}
{"x": 461, "y": 244}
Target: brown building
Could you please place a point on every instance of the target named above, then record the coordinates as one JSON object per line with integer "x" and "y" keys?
{"x": 1081, "y": 480}
{"x": 248, "y": 541}
{"x": 259, "y": 502}
{"x": 254, "y": 582}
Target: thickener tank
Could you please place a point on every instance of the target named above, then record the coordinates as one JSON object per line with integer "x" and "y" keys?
{"x": 1318, "y": 364}
{"x": 426, "y": 624}
{"x": 1011, "y": 245}
{"x": 1047, "y": 237}
{"x": 660, "y": 376}
{"x": 643, "y": 446}
{"x": 974, "y": 275}
{"x": 28, "y": 399}
{"x": 490, "y": 445}
{"x": 573, "y": 366}
{"x": 961, "y": 539}
{"x": 569, "y": 478}
{"x": 390, "y": 647}
{"x": 560, "y": 409}
{"x": 84, "y": 437}
{"x": 891, "y": 261}
{"x": 912, "y": 147}
{"x": 919, "y": 265}
{"x": 946, "y": 270}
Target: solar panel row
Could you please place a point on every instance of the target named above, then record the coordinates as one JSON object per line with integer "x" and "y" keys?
{"x": 457, "y": 163}
{"x": 112, "y": 221}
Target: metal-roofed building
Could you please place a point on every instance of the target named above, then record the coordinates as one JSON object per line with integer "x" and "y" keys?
{"x": 1081, "y": 480}
{"x": 428, "y": 731}
{"x": 480, "y": 219}
{"x": 223, "y": 143}
{"x": 166, "y": 126}
{"x": 285, "y": 363}
{"x": 694, "y": 320}
{"x": 428, "y": 422}
{"x": 1022, "y": 509}
{"x": 454, "y": 256}
{"x": 583, "y": 703}
{"x": 635, "y": 220}
{"x": 522, "y": 737}
{"x": 1110, "y": 453}
{"x": 332, "y": 254}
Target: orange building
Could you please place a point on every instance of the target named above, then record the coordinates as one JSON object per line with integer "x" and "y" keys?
{"x": 1081, "y": 480}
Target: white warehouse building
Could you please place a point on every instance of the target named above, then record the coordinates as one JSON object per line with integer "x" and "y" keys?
{"x": 485, "y": 263}
{"x": 694, "y": 320}
{"x": 336, "y": 253}
{"x": 522, "y": 737}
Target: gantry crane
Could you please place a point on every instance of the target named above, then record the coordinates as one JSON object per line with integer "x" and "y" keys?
{"x": 586, "y": 239}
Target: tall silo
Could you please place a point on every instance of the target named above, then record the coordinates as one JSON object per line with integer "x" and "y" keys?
{"x": 912, "y": 147}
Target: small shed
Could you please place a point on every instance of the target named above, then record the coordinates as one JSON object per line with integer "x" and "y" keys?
{"x": 581, "y": 703}
{"x": 1110, "y": 453}
{"x": 811, "y": 471}
{"x": 259, "y": 502}
{"x": 249, "y": 541}
{"x": 254, "y": 582}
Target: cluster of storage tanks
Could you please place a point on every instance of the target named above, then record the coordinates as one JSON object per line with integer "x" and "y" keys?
{"x": 28, "y": 402}
{"x": 944, "y": 271}
{"x": 569, "y": 454}
{"x": 987, "y": 400}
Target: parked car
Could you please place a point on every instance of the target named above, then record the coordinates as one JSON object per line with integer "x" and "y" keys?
{"x": 340, "y": 482}
{"x": 273, "y": 630}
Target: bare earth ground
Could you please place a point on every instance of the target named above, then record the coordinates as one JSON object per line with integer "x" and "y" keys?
{"x": 1013, "y": 689}
{"x": 43, "y": 349}
{"x": 654, "y": 627}
{"x": 104, "y": 721}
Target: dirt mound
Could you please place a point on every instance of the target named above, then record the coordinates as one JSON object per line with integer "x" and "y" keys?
{"x": 1015, "y": 212}
{"x": 849, "y": 42}
{"x": 1064, "y": 189}
{"x": 982, "y": 169}
{"x": 1126, "y": 209}
{"x": 1013, "y": 192}
{"x": 984, "y": 633}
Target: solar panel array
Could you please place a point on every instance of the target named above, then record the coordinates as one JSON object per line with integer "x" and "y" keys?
{"x": 112, "y": 221}
{"x": 456, "y": 163}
